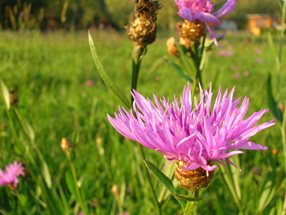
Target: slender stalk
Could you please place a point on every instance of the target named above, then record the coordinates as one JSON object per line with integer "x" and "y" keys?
{"x": 138, "y": 53}
{"x": 191, "y": 205}
{"x": 12, "y": 125}
{"x": 280, "y": 49}
{"x": 157, "y": 204}
{"x": 283, "y": 136}
{"x": 136, "y": 65}
{"x": 74, "y": 175}
{"x": 197, "y": 57}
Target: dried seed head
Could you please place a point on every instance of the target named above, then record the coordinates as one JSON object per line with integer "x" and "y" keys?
{"x": 192, "y": 180}
{"x": 172, "y": 48}
{"x": 142, "y": 30}
{"x": 190, "y": 32}
{"x": 65, "y": 145}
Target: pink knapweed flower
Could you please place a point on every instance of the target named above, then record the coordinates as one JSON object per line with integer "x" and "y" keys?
{"x": 11, "y": 173}
{"x": 196, "y": 133}
{"x": 203, "y": 10}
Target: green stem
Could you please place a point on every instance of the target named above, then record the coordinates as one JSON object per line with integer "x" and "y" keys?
{"x": 79, "y": 197}
{"x": 283, "y": 136}
{"x": 136, "y": 65}
{"x": 281, "y": 38}
{"x": 138, "y": 54}
{"x": 26, "y": 146}
{"x": 191, "y": 205}
{"x": 157, "y": 204}
{"x": 197, "y": 56}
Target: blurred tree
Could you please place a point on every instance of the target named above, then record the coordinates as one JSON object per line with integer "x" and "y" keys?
{"x": 75, "y": 14}
{"x": 103, "y": 17}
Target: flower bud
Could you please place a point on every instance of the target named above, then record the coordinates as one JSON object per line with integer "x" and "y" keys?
{"x": 115, "y": 191}
{"x": 190, "y": 32}
{"x": 192, "y": 180}
{"x": 142, "y": 30}
{"x": 65, "y": 145}
{"x": 171, "y": 47}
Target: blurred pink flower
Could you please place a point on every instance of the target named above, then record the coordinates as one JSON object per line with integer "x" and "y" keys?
{"x": 233, "y": 68}
{"x": 225, "y": 53}
{"x": 236, "y": 76}
{"x": 11, "y": 173}
{"x": 259, "y": 60}
{"x": 89, "y": 83}
{"x": 203, "y": 10}
{"x": 194, "y": 132}
{"x": 258, "y": 51}
{"x": 246, "y": 73}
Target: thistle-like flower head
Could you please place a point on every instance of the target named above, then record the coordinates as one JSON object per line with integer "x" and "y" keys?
{"x": 143, "y": 29}
{"x": 196, "y": 133}
{"x": 11, "y": 173}
{"x": 203, "y": 10}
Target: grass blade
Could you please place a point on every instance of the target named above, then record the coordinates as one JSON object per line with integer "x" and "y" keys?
{"x": 161, "y": 176}
{"x": 5, "y": 94}
{"x": 103, "y": 75}
{"x": 271, "y": 100}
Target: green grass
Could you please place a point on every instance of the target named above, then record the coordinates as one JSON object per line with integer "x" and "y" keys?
{"x": 48, "y": 72}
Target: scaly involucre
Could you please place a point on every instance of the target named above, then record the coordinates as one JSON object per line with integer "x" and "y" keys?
{"x": 196, "y": 133}
{"x": 203, "y": 10}
{"x": 11, "y": 173}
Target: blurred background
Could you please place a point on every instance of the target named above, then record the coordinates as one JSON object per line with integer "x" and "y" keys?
{"x": 55, "y": 92}
{"x": 50, "y": 15}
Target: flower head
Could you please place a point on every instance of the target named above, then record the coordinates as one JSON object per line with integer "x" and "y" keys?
{"x": 11, "y": 173}
{"x": 203, "y": 10}
{"x": 196, "y": 133}
{"x": 143, "y": 29}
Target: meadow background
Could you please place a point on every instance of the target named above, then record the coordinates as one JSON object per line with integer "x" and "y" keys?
{"x": 60, "y": 95}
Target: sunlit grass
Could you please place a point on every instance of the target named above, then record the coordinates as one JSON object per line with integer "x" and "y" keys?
{"x": 49, "y": 72}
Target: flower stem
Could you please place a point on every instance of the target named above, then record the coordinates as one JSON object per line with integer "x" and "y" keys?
{"x": 79, "y": 197}
{"x": 191, "y": 205}
{"x": 283, "y": 136}
{"x": 280, "y": 47}
{"x": 138, "y": 54}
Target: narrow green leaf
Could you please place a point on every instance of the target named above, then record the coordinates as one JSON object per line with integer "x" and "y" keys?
{"x": 229, "y": 182}
{"x": 71, "y": 184}
{"x": 179, "y": 70}
{"x": 22, "y": 200}
{"x": 188, "y": 64}
{"x": 64, "y": 200}
{"x": 188, "y": 198}
{"x": 268, "y": 192}
{"x": 47, "y": 175}
{"x": 161, "y": 176}
{"x": 5, "y": 94}
{"x": 271, "y": 100}
{"x": 103, "y": 75}
{"x": 236, "y": 176}
{"x": 25, "y": 125}
{"x": 50, "y": 197}
{"x": 272, "y": 46}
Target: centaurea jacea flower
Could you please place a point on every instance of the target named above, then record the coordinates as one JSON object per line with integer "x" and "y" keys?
{"x": 203, "y": 11}
{"x": 195, "y": 134}
{"x": 11, "y": 173}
